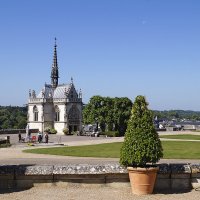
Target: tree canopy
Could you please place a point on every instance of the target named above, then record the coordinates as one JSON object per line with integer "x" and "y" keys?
{"x": 13, "y": 117}
{"x": 110, "y": 113}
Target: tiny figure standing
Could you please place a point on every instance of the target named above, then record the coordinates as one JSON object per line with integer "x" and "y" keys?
{"x": 46, "y": 137}
{"x": 39, "y": 137}
{"x": 20, "y": 137}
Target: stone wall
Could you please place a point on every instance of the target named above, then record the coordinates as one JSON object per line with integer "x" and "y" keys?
{"x": 171, "y": 177}
{"x": 16, "y": 131}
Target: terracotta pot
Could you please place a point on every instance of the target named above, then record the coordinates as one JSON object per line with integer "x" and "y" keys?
{"x": 142, "y": 179}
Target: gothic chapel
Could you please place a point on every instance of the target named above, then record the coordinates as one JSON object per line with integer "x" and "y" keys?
{"x": 57, "y": 106}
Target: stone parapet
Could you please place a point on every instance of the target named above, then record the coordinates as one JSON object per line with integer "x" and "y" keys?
{"x": 170, "y": 176}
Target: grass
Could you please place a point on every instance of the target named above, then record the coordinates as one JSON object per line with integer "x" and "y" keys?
{"x": 4, "y": 145}
{"x": 172, "y": 150}
{"x": 184, "y": 137}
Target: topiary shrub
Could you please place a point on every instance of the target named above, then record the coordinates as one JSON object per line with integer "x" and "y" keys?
{"x": 142, "y": 145}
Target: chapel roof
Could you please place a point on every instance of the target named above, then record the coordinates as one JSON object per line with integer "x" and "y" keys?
{"x": 61, "y": 91}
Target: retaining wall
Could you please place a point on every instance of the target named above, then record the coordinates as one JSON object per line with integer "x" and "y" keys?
{"x": 171, "y": 177}
{"x": 17, "y": 131}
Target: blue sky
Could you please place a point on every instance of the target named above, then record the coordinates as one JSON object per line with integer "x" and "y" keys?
{"x": 109, "y": 47}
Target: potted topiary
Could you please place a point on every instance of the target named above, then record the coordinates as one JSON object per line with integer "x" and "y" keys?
{"x": 141, "y": 148}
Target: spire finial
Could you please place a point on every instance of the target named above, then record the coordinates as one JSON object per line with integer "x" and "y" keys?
{"x": 55, "y": 42}
{"x": 54, "y": 70}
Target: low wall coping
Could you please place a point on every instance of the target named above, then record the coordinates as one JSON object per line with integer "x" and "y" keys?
{"x": 29, "y": 170}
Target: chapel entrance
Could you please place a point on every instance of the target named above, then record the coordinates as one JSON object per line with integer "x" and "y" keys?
{"x": 74, "y": 119}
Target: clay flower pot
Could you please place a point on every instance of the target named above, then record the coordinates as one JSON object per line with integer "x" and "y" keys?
{"x": 142, "y": 179}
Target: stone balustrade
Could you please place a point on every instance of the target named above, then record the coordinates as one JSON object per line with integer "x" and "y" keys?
{"x": 171, "y": 177}
{"x": 43, "y": 100}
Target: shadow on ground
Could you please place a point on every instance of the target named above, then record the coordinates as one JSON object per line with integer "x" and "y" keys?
{"x": 13, "y": 190}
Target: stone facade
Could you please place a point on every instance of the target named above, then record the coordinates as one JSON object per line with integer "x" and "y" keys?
{"x": 56, "y": 106}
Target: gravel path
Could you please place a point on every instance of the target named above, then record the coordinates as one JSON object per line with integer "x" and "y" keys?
{"x": 91, "y": 192}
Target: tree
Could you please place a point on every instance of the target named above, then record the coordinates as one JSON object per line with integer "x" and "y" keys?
{"x": 94, "y": 112}
{"x": 121, "y": 114}
{"x": 108, "y": 112}
{"x": 12, "y": 117}
{"x": 141, "y": 144}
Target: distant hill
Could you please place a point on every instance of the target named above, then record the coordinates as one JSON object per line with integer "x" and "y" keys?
{"x": 177, "y": 114}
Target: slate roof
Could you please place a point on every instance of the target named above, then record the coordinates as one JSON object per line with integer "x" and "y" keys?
{"x": 58, "y": 92}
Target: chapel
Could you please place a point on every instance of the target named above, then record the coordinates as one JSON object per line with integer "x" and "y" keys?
{"x": 56, "y": 106}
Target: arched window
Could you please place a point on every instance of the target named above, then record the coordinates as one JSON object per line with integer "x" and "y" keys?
{"x": 35, "y": 113}
{"x": 57, "y": 112}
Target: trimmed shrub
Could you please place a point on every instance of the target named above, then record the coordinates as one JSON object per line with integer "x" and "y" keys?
{"x": 47, "y": 130}
{"x": 111, "y": 133}
{"x": 53, "y": 131}
{"x": 141, "y": 145}
{"x": 66, "y": 131}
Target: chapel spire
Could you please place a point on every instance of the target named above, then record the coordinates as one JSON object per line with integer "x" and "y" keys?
{"x": 54, "y": 70}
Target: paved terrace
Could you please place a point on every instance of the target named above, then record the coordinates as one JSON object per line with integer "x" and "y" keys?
{"x": 14, "y": 155}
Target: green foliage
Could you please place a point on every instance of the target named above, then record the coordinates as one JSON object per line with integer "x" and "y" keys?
{"x": 121, "y": 114}
{"x": 141, "y": 143}
{"x": 53, "y": 131}
{"x": 13, "y": 117}
{"x": 110, "y": 113}
{"x": 5, "y": 145}
{"x": 111, "y": 133}
{"x": 66, "y": 131}
{"x": 47, "y": 129}
{"x": 177, "y": 114}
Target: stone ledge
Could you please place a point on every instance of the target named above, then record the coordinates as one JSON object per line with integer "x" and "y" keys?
{"x": 170, "y": 176}
{"x": 30, "y": 170}
{"x": 88, "y": 169}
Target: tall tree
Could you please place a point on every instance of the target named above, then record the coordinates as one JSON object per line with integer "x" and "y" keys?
{"x": 121, "y": 113}
{"x": 108, "y": 112}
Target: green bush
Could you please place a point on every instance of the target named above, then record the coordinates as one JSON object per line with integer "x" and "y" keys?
{"x": 50, "y": 130}
{"x": 5, "y": 145}
{"x": 66, "y": 131}
{"x": 47, "y": 130}
{"x": 141, "y": 145}
{"x": 53, "y": 131}
{"x": 111, "y": 133}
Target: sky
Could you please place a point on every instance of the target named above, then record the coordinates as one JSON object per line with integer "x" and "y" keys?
{"x": 116, "y": 48}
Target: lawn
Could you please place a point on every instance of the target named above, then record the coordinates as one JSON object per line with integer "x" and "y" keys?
{"x": 4, "y": 145}
{"x": 183, "y": 136}
{"x": 172, "y": 149}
